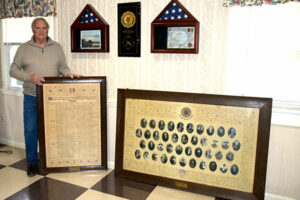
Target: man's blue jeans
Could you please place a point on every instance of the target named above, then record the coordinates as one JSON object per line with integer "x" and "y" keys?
{"x": 31, "y": 128}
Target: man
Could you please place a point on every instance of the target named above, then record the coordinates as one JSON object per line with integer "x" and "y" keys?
{"x": 180, "y": 127}
{"x": 38, "y": 58}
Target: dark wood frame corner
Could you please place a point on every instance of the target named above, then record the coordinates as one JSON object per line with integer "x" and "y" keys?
{"x": 264, "y": 107}
{"x": 41, "y": 123}
{"x": 101, "y": 25}
{"x": 191, "y": 22}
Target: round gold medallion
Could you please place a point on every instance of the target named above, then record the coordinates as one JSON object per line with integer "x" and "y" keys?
{"x": 128, "y": 19}
{"x": 186, "y": 112}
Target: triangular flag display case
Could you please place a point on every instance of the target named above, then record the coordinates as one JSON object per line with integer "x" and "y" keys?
{"x": 175, "y": 30}
{"x": 89, "y": 32}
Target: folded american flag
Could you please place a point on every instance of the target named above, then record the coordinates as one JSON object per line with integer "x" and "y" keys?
{"x": 88, "y": 17}
{"x": 174, "y": 12}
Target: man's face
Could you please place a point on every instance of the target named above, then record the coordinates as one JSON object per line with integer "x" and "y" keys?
{"x": 40, "y": 30}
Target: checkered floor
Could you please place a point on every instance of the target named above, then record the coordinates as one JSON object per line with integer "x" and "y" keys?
{"x": 14, "y": 184}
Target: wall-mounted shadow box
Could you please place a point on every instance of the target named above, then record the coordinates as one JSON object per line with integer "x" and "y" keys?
{"x": 89, "y": 32}
{"x": 175, "y": 30}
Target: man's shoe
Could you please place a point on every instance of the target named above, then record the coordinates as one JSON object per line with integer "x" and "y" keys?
{"x": 32, "y": 169}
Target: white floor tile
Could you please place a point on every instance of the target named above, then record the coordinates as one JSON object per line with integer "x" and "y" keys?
{"x": 172, "y": 194}
{"x": 92, "y": 194}
{"x": 8, "y": 159}
{"x": 85, "y": 179}
{"x": 12, "y": 180}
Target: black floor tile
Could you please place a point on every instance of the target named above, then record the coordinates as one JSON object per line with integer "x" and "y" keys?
{"x": 49, "y": 189}
{"x": 22, "y": 165}
{"x": 123, "y": 187}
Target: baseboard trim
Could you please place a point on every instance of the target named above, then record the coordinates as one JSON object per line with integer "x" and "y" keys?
{"x": 111, "y": 164}
{"x": 269, "y": 196}
{"x": 13, "y": 143}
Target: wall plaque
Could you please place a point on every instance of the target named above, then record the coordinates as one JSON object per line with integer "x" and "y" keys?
{"x": 129, "y": 29}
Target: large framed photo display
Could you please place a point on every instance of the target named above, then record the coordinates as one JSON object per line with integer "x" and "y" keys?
{"x": 72, "y": 124}
{"x": 210, "y": 144}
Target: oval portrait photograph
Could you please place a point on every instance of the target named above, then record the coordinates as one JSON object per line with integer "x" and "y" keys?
{"x": 161, "y": 125}
{"x": 171, "y": 126}
{"x": 143, "y": 123}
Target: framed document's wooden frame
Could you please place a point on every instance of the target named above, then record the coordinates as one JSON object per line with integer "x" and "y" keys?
{"x": 72, "y": 124}
{"x": 163, "y": 38}
{"x": 89, "y": 20}
{"x": 210, "y": 144}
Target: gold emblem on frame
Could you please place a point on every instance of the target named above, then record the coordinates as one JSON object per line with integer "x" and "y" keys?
{"x": 128, "y": 19}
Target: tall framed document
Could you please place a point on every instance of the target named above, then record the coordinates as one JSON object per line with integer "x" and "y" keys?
{"x": 215, "y": 145}
{"x": 72, "y": 124}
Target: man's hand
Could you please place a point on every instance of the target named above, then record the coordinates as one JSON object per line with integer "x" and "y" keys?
{"x": 37, "y": 79}
{"x": 71, "y": 75}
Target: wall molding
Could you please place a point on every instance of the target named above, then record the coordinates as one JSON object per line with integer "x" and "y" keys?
{"x": 111, "y": 164}
{"x": 269, "y": 196}
{"x": 12, "y": 143}
{"x": 286, "y": 113}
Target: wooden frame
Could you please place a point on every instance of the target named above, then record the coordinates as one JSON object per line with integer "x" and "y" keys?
{"x": 72, "y": 124}
{"x": 160, "y": 36}
{"x": 244, "y": 122}
{"x": 96, "y": 23}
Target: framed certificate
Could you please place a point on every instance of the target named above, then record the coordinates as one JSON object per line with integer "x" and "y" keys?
{"x": 210, "y": 144}
{"x": 72, "y": 124}
{"x": 181, "y": 38}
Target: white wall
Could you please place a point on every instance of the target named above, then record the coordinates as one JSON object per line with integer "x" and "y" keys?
{"x": 199, "y": 73}
{"x": 283, "y": 177}
{"x": 175, "y": 72}
{"x": 11, "y": 119}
